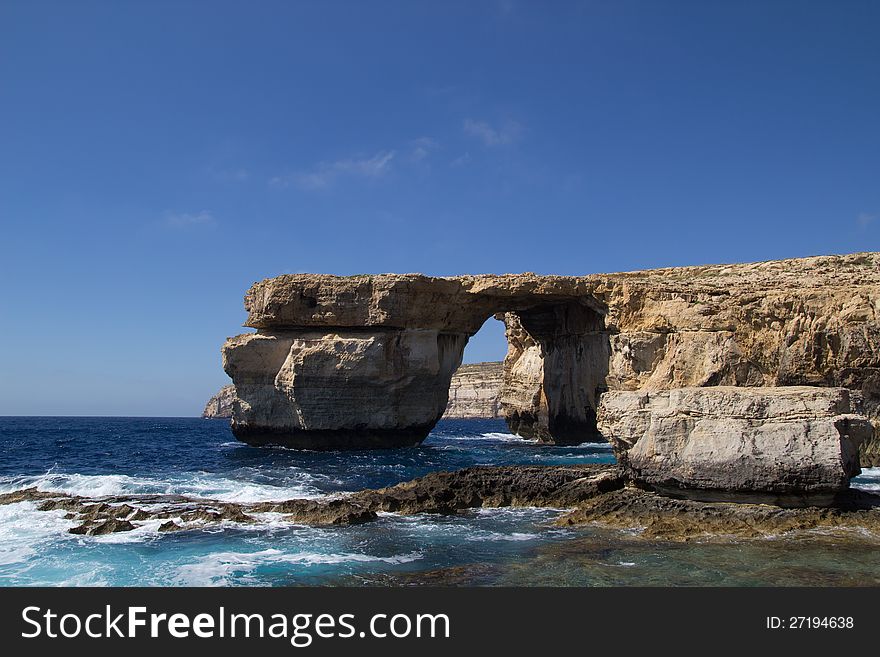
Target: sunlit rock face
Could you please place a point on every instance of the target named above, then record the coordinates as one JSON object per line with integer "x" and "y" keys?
{"x": 724, "y": 438}
{"x": 366, "y": 361}
{"x": 341, "y": 390}
{"x": 475, "y": 391}
{"x": 220, "y": 405}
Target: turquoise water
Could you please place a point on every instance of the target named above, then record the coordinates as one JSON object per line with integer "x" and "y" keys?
{"x": 95, "y": 456}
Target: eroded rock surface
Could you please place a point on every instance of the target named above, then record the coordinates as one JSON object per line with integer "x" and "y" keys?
{"x": 474, "y": 392}
{"x": 788, "y": 439}
{"x": 438, "y": 492}
{"x": 371, "y": 357}
{"x": 669, "y": 518}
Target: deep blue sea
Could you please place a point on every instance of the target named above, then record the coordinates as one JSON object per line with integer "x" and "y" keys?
{"x": 201, "y": 458}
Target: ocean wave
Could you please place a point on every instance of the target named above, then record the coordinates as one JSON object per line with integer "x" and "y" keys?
{"x": 217, "y": 568}
{"x": 192, "y": 484}
{"x": 23, "y": 529}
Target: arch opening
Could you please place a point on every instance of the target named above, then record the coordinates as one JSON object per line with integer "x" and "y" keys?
{"x": 554, "y": 372}
{"x": 475, "y": 388}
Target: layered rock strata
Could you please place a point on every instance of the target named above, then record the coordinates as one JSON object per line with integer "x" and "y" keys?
{"x": 764, "y": 440}
{"x": 474, "y": 392}
{"x": 367, "y": 360}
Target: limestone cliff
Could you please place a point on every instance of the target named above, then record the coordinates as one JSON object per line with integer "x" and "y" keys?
{"x": 220, "y": 405}
{"x": 367, "y": 360}
{"x": 475, "y": 391}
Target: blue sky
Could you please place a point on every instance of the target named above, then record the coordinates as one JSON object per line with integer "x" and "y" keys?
{"x": 156, "y": 158}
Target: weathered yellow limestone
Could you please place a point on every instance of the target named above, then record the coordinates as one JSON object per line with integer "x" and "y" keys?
{"x": 366, "y": 361}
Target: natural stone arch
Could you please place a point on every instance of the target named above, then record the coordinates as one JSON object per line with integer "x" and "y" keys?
{"x": 366, "y": 362}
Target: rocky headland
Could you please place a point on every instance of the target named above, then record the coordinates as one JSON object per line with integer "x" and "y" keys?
{"x": 739, "y": 399}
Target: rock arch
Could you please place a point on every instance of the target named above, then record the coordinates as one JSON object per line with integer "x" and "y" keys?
{"x": 366, "y": 361}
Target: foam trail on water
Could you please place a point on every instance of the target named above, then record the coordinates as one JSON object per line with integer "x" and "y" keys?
{"x": 502, "y": 437}
{"x": 217, "y": 568}
{"x": 192, "y": 484}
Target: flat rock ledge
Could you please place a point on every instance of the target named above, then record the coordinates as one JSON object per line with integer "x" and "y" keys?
{"x": 659, "y": 516}
{"x": 592, "y": 493}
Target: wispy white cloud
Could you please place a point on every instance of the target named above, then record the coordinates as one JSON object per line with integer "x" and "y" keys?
{"x": 461, "y": 160}
{"x": 864, "y": 219}
{"x": 327, "y": 173}
{"x": 421, "y": 148}
{"x": 507, "y": 133}
{"x": 181, "y": 220}
{"x": 231, "y": 175}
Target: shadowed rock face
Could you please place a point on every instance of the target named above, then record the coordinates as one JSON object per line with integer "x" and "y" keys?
{"x": 367, "y": 360}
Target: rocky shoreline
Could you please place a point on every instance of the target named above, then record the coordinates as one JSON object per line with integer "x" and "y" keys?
{"x": 588, "y": 494}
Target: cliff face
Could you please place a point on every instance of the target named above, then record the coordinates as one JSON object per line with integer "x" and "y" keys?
{"x": 371, "y": 357}
{"x": 810, "y": 321}
{"x": 220, "y": 405}
{"x": 474, "y": 392}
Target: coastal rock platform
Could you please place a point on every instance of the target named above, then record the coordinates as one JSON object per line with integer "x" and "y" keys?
{"x": 592, "y": 494}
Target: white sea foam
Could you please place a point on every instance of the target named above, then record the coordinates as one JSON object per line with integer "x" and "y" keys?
{"x": 869, "y": 480}
{"x": 519, "y": 512}
{"x": 192, "y": 484}
{"x": 217, "y": 568}
{"x": 500, "y": 536}
{"x": 23, "y": 529}
{"x": 499, "y": 436}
